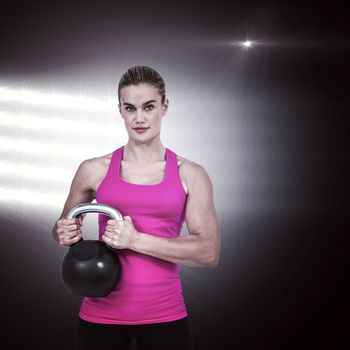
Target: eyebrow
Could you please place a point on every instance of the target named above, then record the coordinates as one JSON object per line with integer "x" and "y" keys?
{"x": 129, "y": 104}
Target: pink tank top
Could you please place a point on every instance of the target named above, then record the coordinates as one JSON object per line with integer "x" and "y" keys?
{"x": 149, "y": 290}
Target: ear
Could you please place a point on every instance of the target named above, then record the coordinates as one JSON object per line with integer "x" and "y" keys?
{"x": 165, "y": 105}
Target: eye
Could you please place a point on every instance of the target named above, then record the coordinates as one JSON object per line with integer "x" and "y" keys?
{"x": 150, "y": 107}
{"x": 129, "y": 108}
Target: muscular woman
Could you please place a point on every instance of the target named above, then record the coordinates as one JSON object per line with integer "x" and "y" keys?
{"x": 155, "y": 190}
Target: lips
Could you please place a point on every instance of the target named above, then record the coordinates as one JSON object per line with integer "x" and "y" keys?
{"x": 140, "y": 128}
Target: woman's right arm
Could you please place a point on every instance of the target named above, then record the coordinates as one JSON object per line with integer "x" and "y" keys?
{"x": 67, "y": 231}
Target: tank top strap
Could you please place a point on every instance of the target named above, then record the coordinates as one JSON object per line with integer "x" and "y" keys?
{"x": 115, "y": 162}
{"x": 172, "y": 167}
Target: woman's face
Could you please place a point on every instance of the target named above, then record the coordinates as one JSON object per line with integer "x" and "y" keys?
{"x": 140, "y": 106}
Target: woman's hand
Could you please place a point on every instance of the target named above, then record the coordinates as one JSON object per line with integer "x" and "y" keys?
{"x": 68, "y": 231}
{"x": 120, "y": 234}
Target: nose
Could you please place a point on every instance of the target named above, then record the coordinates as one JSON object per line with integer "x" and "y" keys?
{"x": 139, "y": 115}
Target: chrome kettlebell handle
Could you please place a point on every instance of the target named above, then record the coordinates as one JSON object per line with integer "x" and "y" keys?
{"x": 94, "y": 208}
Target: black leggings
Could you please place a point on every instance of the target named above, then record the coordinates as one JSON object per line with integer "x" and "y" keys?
{"x": 173, "y": 335}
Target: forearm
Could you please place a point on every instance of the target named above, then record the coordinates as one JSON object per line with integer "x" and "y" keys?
{"x": 190, "y": 250}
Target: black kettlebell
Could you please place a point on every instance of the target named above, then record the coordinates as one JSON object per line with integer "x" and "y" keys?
{"x": 91, "y": 268}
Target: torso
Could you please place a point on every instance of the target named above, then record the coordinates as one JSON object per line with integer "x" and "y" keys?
{"x": 150, "y": 174}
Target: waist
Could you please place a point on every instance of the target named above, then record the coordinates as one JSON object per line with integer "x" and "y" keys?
{"x": 135, "y": 302}
{"x": 140, "y": 269}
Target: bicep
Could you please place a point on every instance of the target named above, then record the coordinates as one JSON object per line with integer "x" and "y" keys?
{"x": 80, "y": 189}
{"x": 201, "y": 218}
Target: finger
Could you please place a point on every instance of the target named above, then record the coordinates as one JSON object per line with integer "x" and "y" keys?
{"x": 68, "y": 221}
{"x": 69, "y": 241}
{"x": 72, "y": 234}
{"x": 108, "y": 242}
{"x": 72, "y": 228}
{"x": 60, "y": 222}
{"x": 110, "y": 235}
{"x": 107, "y": 239}
{"x": 64, "y": 232}
{"x": 74, "y": 239}
{"x": 110, "y": 228}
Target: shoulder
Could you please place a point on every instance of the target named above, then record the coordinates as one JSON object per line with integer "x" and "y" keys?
{"x": 189, "y": 166}
{"x": 96, "y": 161}
{"x": 192, "y": 172}
{"x": 93, "y": 166}
{"x": 101, "y": 160}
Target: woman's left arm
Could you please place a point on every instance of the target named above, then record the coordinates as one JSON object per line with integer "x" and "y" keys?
{"x": 200, "y": 248}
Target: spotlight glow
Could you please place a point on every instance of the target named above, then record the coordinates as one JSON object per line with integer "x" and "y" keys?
{"x": 62, "y": 150}
{"x": 247, "y": 43}
{"x": 55, "y": 124}
{"x": 24, "y": 196}
{"x": 27, "y": 170}
{"x": 57, "y": 100}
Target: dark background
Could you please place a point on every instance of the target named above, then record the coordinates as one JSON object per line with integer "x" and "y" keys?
{"x": 282, "y": 279}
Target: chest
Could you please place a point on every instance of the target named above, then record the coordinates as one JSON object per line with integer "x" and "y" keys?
{"x": 152, "y": 208}
{"x": 151, "y": 174}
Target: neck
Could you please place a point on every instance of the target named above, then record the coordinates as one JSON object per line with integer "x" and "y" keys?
{"x": 144, "y": 154}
